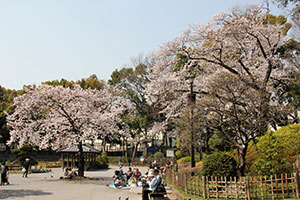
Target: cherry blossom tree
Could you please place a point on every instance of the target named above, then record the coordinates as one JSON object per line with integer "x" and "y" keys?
{"x": 58, "y": 117}
{"x": 243, "y": 45}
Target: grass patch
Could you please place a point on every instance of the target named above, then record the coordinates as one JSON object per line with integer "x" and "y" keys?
{"x": 181, "y": 191}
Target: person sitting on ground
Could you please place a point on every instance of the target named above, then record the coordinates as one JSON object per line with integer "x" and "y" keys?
{"x": 73, "y": 173}
{"x": 137, "y": 174}
{"x": 154, "y": 181}
{"x": 68, "y": 174}
{"x": 4, "y": 174}
{"x": 129, "y": 174}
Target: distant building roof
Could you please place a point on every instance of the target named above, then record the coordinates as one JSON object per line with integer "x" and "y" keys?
{"x": 75, "y": 149}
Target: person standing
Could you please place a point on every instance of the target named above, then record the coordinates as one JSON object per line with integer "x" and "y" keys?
{"x": 120, "y": 161}
{"x": 26, "y": 167}
{"x": 4, "y": 172}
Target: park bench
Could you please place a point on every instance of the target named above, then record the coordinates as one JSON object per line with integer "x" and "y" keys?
{"x": 157, "y": 195}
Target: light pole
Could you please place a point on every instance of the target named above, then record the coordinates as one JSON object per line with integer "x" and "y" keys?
{"x": 191, "y": 103}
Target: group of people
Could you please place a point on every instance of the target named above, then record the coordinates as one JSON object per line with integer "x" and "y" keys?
{"x": 151, "y": 182}
{"x": 122, "y": 178}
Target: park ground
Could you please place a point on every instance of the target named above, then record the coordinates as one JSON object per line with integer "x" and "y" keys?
{"x": 48, "y": 186}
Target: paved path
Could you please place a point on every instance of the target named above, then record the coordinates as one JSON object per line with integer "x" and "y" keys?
{"x": 48, "y": 186}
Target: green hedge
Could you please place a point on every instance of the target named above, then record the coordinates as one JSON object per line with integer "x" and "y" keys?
{"x": 115, "y": 159}
{"x": 101, "y": 162}
{"x": 219, "y": 164}
{"x": 187, "y": 159}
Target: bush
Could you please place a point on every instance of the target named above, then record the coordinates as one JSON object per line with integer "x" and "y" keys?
{"x": 15, "y": 162}
{"x": 276, "y": 152}
{"x": 42, "y": 170}
{"x": 115, "y": 160}
{"x": 101, "y": 162}
{"x": 219, "y": 164}
{"x": 158, "y": 155}
{"x": 179, "y": 154}
{"x": 95, "y": 165}
{"x": 187, "y": 159}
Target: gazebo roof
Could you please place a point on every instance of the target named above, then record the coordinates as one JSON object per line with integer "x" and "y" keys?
{"x": 75, "y": 149}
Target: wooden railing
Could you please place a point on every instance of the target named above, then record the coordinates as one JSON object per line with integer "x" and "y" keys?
{"x": 274, "y": 187}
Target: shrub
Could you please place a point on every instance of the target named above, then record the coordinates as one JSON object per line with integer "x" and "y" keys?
{"x": 40, "y": 170}
{"x": 14, "y": 162}
{"x": 115, "y": 159}
{"x": 104, "y": 158}
{"x": 101, "y": 162}
{"x": 158, "y": 155}
{"x": 219, "y": 164}
{"x": 276, "y": 152}
{"x": 95, "y": 165}
{"x": 187, "y": 159}
{"x": 179, "y": 154}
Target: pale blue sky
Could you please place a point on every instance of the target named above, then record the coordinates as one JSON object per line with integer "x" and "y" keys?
{"x": 44, "y": 40}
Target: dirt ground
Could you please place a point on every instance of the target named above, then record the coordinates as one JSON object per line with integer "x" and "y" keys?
{"x": 48, "y": 186}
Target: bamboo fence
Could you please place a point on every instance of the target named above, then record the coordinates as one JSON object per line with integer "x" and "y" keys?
{"x": 285, "y": 186}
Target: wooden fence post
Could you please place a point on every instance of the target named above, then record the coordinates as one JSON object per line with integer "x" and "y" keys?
{"x": 248, "y": 188}
{"x": 236, "y": 188}
{"x": 217, "y": 190}
{"x": 185, "y": 183}
{"x": 272, "y": 188}
{"x": 204, "y": 187}
{"x": 297, "y": 185}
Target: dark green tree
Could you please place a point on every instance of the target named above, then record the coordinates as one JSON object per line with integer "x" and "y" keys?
{"x": 91, "y": 82}
{"x": 132, "y": 81}
{"x": 26, "y": 151}
{"x": 6, "y": 106}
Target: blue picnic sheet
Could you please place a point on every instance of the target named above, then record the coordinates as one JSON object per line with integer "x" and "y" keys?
{"x": 112, "y": 185}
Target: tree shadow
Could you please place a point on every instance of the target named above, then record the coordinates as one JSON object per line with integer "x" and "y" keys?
{"x": 4, "y": 194}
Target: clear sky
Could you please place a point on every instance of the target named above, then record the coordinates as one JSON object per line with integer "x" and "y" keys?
{"x": 44, "y": 40}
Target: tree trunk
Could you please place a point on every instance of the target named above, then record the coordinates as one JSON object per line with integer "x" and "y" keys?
{"x": 134, "y": 150}
{"x": 80, "y": 160}
{"x": 145, "y": 153}
{"x": 170, "y": 142}
{"x": 122, "y": 146}
{"x": 126, "y": 149}
{"x": 104, "y": 144}
{"x": 242, "y": 151}
{"x": 7, "y": 149}
{"x": 164, "y": 143}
